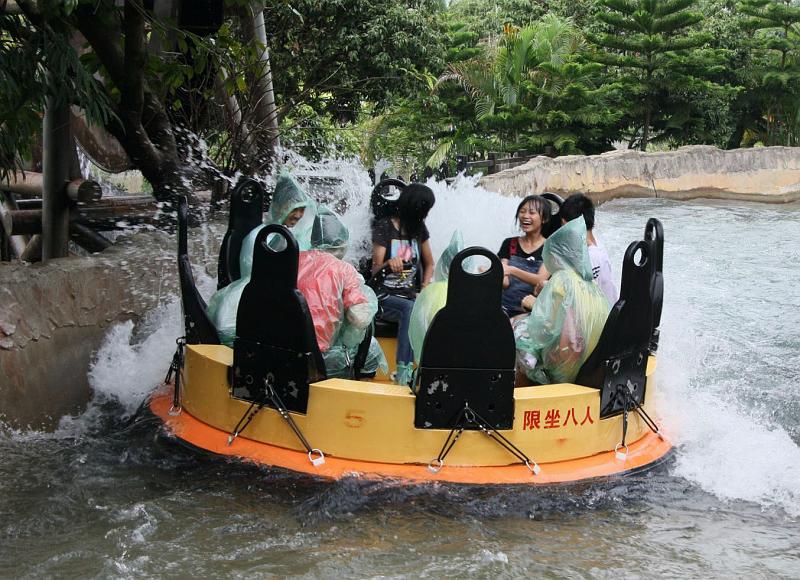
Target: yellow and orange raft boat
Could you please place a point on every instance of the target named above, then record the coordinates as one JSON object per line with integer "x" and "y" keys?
{"x": 267, "y": 400}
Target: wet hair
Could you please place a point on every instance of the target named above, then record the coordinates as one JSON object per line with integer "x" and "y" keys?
{"x": 413, "y": 205}
{"x": 540, "y": 206}
{"x": 576, "y": 205}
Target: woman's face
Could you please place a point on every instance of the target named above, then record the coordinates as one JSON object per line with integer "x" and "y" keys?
{"x": 294, "y": 216}
{"x": 529, "y": 219}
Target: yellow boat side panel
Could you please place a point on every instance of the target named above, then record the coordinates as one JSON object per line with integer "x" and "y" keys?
{"x": 374, "y": 421}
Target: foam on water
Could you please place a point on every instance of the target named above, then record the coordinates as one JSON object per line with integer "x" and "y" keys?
{"x": 721, "y": 371}
{"x": 728, "y": 361}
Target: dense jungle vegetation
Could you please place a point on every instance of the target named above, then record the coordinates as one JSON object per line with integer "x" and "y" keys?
{"x": 416, "y": 82}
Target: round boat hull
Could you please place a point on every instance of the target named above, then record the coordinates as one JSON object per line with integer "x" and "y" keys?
{"x": 367, "y": 428}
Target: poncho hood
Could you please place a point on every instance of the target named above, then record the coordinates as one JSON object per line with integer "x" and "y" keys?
{"x": 566, "y": 249}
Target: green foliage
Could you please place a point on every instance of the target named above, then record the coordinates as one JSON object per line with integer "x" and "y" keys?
{"x": 315, "y": 136}
{"x": 536, "y": 91}
{"x": 774, "y": 84}
{"x": 335, "y": 55}
{"x": 36, "y": 62}
{"x": 653, "y": 46}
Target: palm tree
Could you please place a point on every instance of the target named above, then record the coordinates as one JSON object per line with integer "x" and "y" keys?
{"x": 518, "y": 73}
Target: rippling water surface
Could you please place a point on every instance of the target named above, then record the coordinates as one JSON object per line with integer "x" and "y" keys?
{"x": 108, "y": 496}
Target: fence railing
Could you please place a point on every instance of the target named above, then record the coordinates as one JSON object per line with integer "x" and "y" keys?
{"x": 492, "y": 164}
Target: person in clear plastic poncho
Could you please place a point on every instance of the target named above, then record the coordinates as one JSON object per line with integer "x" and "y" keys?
{"x": 568, "y": 316}
{"x": 290, "y": 207}
{"x": 342, "y": 306}
{"x": 433, "y": 297}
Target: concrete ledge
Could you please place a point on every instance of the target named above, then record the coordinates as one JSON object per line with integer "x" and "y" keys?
{"x": 765, "y": 174}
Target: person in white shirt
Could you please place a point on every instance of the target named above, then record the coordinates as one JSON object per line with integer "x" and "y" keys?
{"x": 577, "y": 205}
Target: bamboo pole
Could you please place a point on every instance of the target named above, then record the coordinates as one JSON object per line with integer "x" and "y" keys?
{"x": 16, "y": 243}
{"x": 104, "y": 215}
{"x": 31, "y": 184}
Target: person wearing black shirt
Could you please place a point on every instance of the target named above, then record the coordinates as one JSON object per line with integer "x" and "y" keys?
{"x": 522, "y": 256}
{"x": 400, "y": 251}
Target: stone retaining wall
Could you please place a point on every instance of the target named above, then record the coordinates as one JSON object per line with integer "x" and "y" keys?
{"x": 54, "y": 316}
{"x": 767, "y": 174}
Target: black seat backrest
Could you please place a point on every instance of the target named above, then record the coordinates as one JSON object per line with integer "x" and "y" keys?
{"x": 381, "y": 207}
{"x": 620, "y": 357}
{"x": 654, "y": 232}
{"x": 247, "y": 200}
{"x": 468, "y": 353}
{"x": 275, "y": 338}
{"x": 555, "y": 219}
{"x": 198, "y": 328}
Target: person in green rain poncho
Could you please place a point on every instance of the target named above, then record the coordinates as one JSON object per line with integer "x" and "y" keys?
{"x": 433, "y": 297}
{"x": 291, "y": 207}
{"x": 567, "y": 318}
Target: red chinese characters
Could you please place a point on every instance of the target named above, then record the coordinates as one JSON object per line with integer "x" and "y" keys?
{"x": 552, "y": 419}
{"x": 530, "y": 420}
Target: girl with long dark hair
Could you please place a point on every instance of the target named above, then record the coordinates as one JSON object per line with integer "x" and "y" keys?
{"x": 401, "y": 251}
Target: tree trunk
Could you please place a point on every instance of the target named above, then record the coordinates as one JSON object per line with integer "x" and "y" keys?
{"x": 735, "y": 140}
{"x": 144, "y": 129}
{"x": 646, "y": 129}
{"x": 265, "y": 108}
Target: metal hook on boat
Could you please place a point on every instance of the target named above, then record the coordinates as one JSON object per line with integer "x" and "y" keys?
{"x": 316, "y": 461}
{"x": 621, "y": 455}
{"x": 435, "y": 468}
{"x": 175, "y": 410}
{"x": 535, "y": 469}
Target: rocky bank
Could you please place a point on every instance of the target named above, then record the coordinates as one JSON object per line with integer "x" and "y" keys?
{"x": 766, "y": 174}
{"x": 53, "y": 318}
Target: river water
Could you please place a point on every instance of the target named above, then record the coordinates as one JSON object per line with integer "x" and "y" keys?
{"x": 107, "y": 495}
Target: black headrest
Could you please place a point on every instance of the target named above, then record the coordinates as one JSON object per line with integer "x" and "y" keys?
{"x": 654, "y": 233}
{"x": 275, "y": 337}
{"x": 620, "y": 357}
{"x": 247, "y": 200}
{"x": 555, "y": 217}
{"x": 381, "y": 205}
{"x": 468, "y": 353}
{"x": 197, "y": 326}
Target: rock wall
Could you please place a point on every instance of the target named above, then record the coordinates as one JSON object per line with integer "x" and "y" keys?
{"x": 54, "y": 316}
{"x": 769, "y": 174}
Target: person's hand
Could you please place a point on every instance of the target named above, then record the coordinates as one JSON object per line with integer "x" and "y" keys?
{"x": 538, "y": 288}
{"x": 527, "y": 302}
{"x": 396, "y": 265}
{"x": 508, "y": 270}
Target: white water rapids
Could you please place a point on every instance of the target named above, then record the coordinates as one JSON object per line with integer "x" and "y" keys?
{"x": 729, "y": 380}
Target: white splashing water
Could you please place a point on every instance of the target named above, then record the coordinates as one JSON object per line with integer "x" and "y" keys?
{"x": 726, "y": 357}
{"x": 131, "y": 362}
{"x": 730, "y": 353}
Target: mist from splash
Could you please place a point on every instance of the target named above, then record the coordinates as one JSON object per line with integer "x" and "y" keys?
{"x": 728, "y": 443}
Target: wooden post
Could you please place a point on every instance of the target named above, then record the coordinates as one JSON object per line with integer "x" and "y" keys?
{"x": 492, "y": 157}
{"x": 55, "y": 167}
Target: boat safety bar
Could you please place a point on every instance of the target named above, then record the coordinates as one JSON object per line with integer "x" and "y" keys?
{"x": 176, "y": 370}
{"x": 467, "y": 415}
{"x": 629, "y": 403}
{"x": 315, "y": 456}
